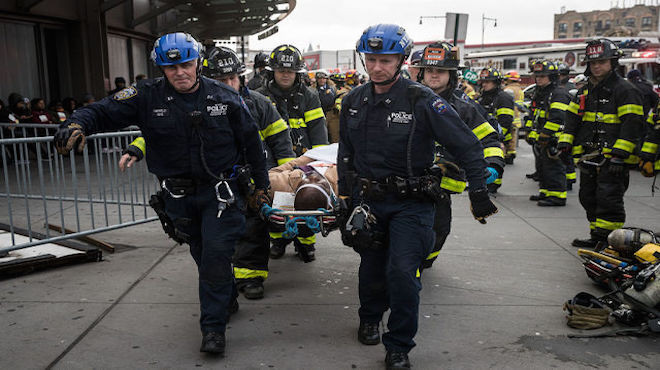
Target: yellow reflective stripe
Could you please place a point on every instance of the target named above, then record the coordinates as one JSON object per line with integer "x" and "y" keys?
{"x": 507, "y": 111}
{"x": 632, "y": 159}
{"x": 649, "y": 118}
{"x": 493, "y": 152}
{"x": 578, "y": 149}
{"x": 551, "y": 126}
{"x": 433, "y": 255}
{"x": 418, "y": 274}
{"x": 504, "y": 130}
{"x": 624, "y": 145}
{"x": 452, "y": 185}
{"x": 308, "y": 240}
{"x": 566, "y": 138}
{"x": 630, "y": 109}
{"x": 483, "y": 130}
{"x": 282, "y": 161}
{"x": 657, "y": 165}
{"x": 600, "y": 117}
{"x": 556, "y": 194}
{"x": 140, "y": 144}
{"x": 275, "y": 235}
{"x": 592, "y": 225}
{"x": 571, "y": 176}
{"x": 529, "y": 123}
{"x": 573, "y": 107}
{"x": 316, "y": 146}
{"x": 498, "y": 182}
{"x": 533, "y": 135}
{"x": 607, "y": 225}
{"x": 243, "y": 273}
{"x": 558, "y": 105}
{"x": 297, "y": 123}
{"x": 313, "y": 114}
{"x": 272, "y": 129}
{"x": 540, "y": 113}
{"x": 650, "y": 147}
{"x": 508, "y": 137}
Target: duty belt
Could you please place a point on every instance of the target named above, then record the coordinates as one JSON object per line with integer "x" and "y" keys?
{"x": 179, "y": 187}
{"x": 402, "y": 187}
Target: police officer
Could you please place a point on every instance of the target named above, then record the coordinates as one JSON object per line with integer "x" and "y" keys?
{"x": 251, "y": 257}
{"x": 604, "y": 124}
{"x": 332, "y": 116}
{"x": 499, "y": 106}
{"x": 197, "y": 130}
{"x": 389, "y": 127}
{"x": 301, "y": 108}
{"x": 325, "y": 91}
{"x": 439, "y": 66}
{"x": 549, "y": 108}
{"x": 260, "y": 72}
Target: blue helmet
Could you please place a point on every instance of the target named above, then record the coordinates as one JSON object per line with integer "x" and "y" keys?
{"x": 176, "y": 48}
{"x": 385, "y": 39}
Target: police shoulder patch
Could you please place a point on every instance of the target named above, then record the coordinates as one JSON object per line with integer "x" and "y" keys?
{"x": 126, "y": 93}
{"x": 439, "y": 105}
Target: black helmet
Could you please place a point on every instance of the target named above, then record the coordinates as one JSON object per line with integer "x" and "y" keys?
{"x": 222, "y": 61}
{"x": 321, "y": 74}
{"x": 416, "y": 57}
{"x": 490, "y": 74}
{"x": 286, "y": 56}
{"x": 545, "y": 68}
{"x": 441, "y": 55}
{"x": 260, "y": 60}
{"x": 338, "y": 77}
{"x": 601, "y": 49}
{"x": 564, "y": 69}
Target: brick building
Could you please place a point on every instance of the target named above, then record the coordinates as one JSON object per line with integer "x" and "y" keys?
{"x": 613, "y": 22}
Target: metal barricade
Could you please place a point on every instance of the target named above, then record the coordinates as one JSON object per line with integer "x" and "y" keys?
{"x": 85, "y": 193}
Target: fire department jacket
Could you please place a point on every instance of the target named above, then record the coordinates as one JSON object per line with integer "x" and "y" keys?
{"x": 549, "y": 110}
{"x": 608, "y": 117}
{"x": 649, "y": 150}
{"x": 301, "y": 109}
{"x": 499, "y": 105}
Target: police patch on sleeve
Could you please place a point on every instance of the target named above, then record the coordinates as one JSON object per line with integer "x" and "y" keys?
{"x": 439, "y": 106}
{"x": 126, "y": 93}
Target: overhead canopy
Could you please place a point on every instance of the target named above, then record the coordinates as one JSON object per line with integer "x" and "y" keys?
{"x": 216, "y": 19}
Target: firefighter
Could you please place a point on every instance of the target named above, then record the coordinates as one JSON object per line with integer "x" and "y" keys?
{"x": 498, "y": 106}
{"x": 332, "y": 117}
{"x": 301, "y": 108}
{"x": 260, "y": 63}
{"x": 604, "y": 125}
{"x": 565, "y": 77}
{"x": 439, "y": 72}
{"x": 389, "y": 127}
{"x": 325, "y": 91}
{"x": 549, "y": 108}
{"x": 649, "y": 159}
{"x": 413, "y": 67}
{"x": 197, "y": 131}
{"x": 512, "y": 86}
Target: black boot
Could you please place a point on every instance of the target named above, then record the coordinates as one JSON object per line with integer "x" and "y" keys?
{"x": 278, "y": 247}
{"x": 252, "y": 289}
{"x": 536, "y": 198}
{"x": 551, "y": 202}
{"x": 397, "y": 361}
{"x": 306, "y": 252}
{"x": 369, "y": 334}
{"x": 585, "y": 243}
{"x": 534, "y": 176}
{"x": 214, "y": 342}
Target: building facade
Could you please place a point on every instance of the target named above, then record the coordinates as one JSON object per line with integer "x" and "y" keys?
{"x": 607, "y": 23}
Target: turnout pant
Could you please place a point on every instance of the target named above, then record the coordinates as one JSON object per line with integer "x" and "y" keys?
{"x": 552, "y": 176}
{"x": 601, "y": 196}
{"x": 389, "y": 277}
{"x": 212, "y": 241}
{"x": 441, "y": 228}
{"x": 251, "y": 257}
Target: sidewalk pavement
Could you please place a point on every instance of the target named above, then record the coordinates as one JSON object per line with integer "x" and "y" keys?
{"x": 492, "y": 300}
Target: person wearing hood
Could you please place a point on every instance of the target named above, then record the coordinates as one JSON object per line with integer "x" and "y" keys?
{"x": 19, "y": 108}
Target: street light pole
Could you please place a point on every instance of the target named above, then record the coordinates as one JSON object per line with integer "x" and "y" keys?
{"x": 483, "y": 20}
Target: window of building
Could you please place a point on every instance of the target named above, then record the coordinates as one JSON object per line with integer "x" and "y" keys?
{"x": 646, "y": 22}
{"x": 577, "y": 35}
{"x": 630, "y": 22}
{"x": 563, "y": 27}
{"x": 608, "y": 24}
{"x": 510, "y": 63}
{"x": 599, "y": 25}
{"x": 562, "y": 36}
{"x": 577, "y": 27}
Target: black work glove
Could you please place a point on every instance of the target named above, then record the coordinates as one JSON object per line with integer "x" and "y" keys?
{"x": 66, "y": 138}
{"x": 256, "y": 200}
{"x": 616, "y": 167}
{"x": 481, "y": 205}
{"x": 134, "y": 151}
{"x": 564, "y": 147}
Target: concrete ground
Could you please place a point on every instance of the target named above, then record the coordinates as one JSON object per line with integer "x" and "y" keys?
{"x": 492, "y": 300}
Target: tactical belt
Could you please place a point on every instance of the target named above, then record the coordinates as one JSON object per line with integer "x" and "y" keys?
{"x": 179, "y": 187}
{"x": 402, "y": 187}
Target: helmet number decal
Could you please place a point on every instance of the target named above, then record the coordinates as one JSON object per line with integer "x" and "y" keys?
{"x": 595, "y": 50}
{"x": 433, "y": 55}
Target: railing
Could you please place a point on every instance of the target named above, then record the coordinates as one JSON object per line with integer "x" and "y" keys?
{"x": 79, "y": 194}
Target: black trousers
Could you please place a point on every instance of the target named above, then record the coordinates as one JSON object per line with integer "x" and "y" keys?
{"x": 601, "y": 196}
{"x": 252, "y": 251}
{"x": 442, "y": 228}
{"x": 552, "y": 175}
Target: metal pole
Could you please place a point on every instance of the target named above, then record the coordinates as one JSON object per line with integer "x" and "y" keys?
{"x": 482, "y": 30}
